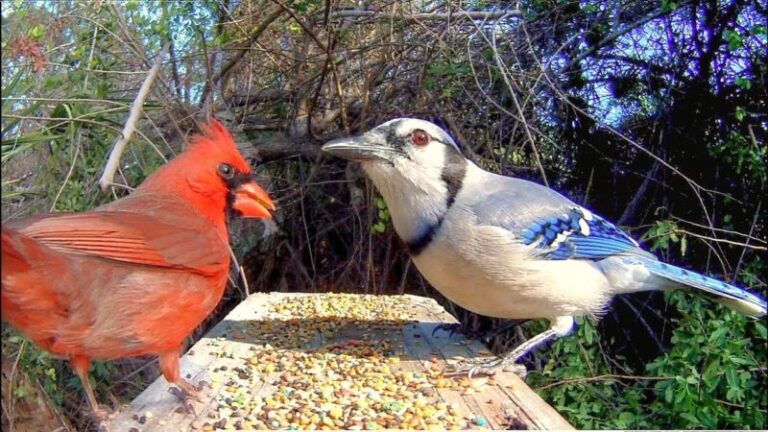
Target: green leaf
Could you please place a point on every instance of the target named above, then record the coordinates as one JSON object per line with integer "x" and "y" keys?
{"x": 36, "y": 32}
{"x": 20, "y": 391}
{"x": 733, "y": 38}
{"x": 668, "y": 5}
{"x": 717, "y": 337}
{"x": 294, "y": 27}
{"x": 625, "y": 420}
{"x": 691, "y": 418}
{"x": 740, "y": 114}
{"x": 759, "y": 30}
{"x": 681, "y": 394}
{"x": 761, "y": 329}
{"x": 744, "y": 83}
{"x": 669, "y": 394}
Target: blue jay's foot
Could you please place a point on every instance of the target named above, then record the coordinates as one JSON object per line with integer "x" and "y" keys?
{"x": 489, "y": 366}
{"x": 560, "y": 327}
{"x": 497, "y": 364}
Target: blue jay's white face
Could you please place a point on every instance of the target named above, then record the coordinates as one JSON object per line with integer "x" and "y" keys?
{"x": 416, "y": 166}
{"x": 418, "y": 140}
{"x": 410, "y": 155}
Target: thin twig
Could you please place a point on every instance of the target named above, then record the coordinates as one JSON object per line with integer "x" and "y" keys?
{"x": 241, "y": 52}
{"x": 435, "y": 16}
{"x": 241, "y": 272}
{"x": 81, "y": 119}
{"x": 107, "y": 178}
{"x": 84, "y": 69}
{"x": 37, "y": 99}
{"x": 12, "y": 377}
{"x": 69, "y": 173}
{"x": 606, "y": 377}
{"x": 717, "y": 240}
{"x": 749, "y": 237}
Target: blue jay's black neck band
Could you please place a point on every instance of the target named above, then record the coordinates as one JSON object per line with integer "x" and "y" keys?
{"x": 453, "y": 175}
{"x": 418, "y": 244}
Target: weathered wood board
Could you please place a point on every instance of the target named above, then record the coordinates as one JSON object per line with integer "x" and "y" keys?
{"x": 278, "y": 362}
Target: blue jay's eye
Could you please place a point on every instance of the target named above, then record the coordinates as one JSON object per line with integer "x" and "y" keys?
{"x": 419, "y": 137}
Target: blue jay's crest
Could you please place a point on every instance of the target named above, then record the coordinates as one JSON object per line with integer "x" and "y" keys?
{"x": 577, "y": 234}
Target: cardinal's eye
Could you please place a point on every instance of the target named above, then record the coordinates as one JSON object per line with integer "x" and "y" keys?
{"x": 226, "y": 171}
{"x": 419, "y": 137}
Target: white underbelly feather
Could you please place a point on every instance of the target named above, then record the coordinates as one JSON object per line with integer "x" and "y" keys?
{"x": 510, "y": 282}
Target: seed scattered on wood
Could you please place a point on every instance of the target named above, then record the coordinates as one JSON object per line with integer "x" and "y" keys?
{"x": 334, "y": 362}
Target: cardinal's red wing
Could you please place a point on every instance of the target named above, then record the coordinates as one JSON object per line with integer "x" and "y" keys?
{"x": 134, "y": 238}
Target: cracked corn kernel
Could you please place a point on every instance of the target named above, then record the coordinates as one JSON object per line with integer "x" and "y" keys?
{"x": 335, "y": 412}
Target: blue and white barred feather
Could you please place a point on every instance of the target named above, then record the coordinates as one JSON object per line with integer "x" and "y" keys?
{"x": 736, "y": 298}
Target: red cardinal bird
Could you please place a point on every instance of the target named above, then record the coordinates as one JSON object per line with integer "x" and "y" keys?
{"x": 136, "y": 276}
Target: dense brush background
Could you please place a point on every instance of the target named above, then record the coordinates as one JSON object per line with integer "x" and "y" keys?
{"x": 651, "y": 113}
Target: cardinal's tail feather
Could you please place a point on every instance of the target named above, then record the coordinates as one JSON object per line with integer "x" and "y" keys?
{"x": 13, "y": 259}
{"x": 29, "y": 301}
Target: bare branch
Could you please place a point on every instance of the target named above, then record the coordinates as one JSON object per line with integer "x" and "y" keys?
{"x": 254, "y": 36}
{"x": 107, "y": 178}
{"x": 605, "y": 377}
{"x": 435, "y": 16}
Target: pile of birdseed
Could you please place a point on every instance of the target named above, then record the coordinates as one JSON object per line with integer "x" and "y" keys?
{"x": 333, "y": 362}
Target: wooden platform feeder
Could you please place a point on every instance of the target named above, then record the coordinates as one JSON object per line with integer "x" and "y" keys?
{"x": 336, "y": 361}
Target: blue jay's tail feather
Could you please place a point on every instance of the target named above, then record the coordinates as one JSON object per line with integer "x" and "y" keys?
{"x": 731, "y": 296}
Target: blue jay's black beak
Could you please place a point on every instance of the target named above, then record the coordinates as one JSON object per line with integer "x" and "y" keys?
{"x": 366, "y": 147}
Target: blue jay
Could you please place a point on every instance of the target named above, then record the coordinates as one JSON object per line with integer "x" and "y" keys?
{"x": 506, "y": 247}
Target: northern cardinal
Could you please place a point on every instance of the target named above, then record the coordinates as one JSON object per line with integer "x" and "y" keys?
{"x": 133, "y": 277}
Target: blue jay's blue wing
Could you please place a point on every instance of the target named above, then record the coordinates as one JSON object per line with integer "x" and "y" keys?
{"x": 539, "y": 216}
{"x": 577, "y": 234}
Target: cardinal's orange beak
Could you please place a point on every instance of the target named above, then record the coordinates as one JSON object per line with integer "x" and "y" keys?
{"x": 252, "y": 202}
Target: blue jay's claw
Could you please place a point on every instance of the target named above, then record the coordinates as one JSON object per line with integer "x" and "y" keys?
{"x": 452, "y": 329}
{"x": 488, "y": 366}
